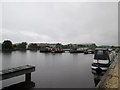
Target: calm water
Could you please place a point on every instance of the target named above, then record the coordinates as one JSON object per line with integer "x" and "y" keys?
{"x": 52, "y": 70}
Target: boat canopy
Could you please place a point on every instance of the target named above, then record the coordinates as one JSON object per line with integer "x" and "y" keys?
{"x": 101, "y": 54}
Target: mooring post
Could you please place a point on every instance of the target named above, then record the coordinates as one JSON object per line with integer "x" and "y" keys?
{"x": 28, "y": 77}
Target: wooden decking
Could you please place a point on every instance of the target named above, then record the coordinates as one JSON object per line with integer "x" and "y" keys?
{"x": 13, "y": 72}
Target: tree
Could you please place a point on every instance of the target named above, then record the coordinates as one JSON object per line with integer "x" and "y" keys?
{"x": 7, "y": 45}
{"x": 92, "y": 46}
{"x": 21, "y": 46}
{"x": 59, "y": 45}
{"x": 33, "y": 46}
{"x": 14, "y": 46}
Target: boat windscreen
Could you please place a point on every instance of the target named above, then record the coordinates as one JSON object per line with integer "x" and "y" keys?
{"x": 101, "y": 55}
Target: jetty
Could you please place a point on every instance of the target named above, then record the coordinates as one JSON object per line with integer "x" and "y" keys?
{"x": 17, "y": 71}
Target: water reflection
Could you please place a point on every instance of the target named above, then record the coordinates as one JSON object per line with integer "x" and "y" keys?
{"x": 21, "y": 86}
{"x": 7, "y": 52}
{"x": 59, "y": 70}
{"x": 23, "y": 51}
{"x": 97, "y": 76}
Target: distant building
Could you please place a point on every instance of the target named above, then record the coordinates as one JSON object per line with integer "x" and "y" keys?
{"x": 42, "y": 44}
{"x": 46, "y": 45}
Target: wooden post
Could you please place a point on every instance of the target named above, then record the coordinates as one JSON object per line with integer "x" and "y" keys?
{"x": 28, "y": 77}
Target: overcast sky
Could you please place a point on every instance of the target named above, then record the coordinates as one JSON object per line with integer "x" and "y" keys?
{"x": 70, "y": 22}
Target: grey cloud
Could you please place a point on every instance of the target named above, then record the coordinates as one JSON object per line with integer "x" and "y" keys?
{"x": 61, "y": 22}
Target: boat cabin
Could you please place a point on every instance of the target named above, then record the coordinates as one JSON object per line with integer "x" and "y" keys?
{"x": 101, "y": 54}
{"x": 102, "y": 58}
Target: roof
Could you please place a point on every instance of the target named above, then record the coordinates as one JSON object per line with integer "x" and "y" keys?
{"x": 101, "y": 49}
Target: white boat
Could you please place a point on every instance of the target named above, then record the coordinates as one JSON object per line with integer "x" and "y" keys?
{"x": 102, "y": 59}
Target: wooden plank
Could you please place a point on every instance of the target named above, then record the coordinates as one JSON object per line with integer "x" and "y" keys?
{"x": 13, "y": 72}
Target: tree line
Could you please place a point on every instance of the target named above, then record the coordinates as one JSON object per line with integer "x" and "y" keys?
{"x": 7, "y": 45}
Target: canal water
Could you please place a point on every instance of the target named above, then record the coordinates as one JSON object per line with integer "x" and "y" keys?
{"x": 62, "y": 70}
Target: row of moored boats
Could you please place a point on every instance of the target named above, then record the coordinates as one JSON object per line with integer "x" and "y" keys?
{"x": 103, "y": 57}
{"x": 73, "y": 50}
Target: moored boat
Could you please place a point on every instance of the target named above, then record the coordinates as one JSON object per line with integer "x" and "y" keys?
{"x": 88, "y": 51}
{"x": 102, "y": 59}
{"x": 45, "y": 50}
{"x": 76, "y": 50}
{"x": 57, "y": 50}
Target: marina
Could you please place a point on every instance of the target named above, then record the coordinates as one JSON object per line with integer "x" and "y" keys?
{"x": 63, "y": 44}
{"x": 55, "y": 66}
{"x": 52, "y": 70}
